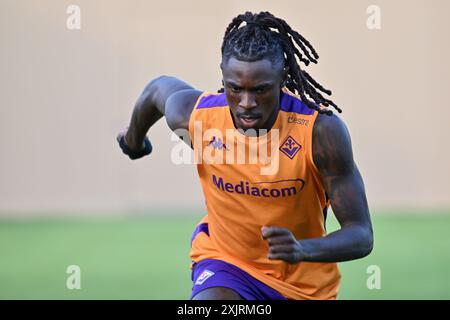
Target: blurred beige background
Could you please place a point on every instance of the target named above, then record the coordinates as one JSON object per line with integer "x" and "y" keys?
{"x": 66, "y": 93}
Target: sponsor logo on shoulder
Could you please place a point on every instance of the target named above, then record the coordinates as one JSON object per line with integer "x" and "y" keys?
{"x": 204, "y": 276}
{"x": 293, "y": 119}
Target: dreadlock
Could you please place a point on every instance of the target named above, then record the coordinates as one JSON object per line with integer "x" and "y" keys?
{"x": 266, "y": 36}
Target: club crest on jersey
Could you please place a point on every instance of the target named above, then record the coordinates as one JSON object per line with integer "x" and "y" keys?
{"x": 204, "y": 276}
{"x": 290, "y": 147}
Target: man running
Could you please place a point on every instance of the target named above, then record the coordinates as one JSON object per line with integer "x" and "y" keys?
{"x": 264, "y": 235}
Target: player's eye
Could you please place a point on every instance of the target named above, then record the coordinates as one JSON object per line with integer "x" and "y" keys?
{"x": 235, "y": 89}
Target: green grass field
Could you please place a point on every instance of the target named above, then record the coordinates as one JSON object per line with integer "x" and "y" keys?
{"x": 147, "y": 258}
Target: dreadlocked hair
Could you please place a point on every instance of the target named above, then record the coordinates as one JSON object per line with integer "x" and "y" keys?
{"x": 266, "y": 36}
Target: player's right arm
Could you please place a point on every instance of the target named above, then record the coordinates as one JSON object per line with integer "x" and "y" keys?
{"x": 163, "y": 96}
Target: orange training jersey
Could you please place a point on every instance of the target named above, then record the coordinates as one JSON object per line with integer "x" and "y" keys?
{"x": 241, "y": 197}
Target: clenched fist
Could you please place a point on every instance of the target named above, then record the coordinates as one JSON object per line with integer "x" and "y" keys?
{"x": 282, "y": 244}
{"x": 133, "y": 154}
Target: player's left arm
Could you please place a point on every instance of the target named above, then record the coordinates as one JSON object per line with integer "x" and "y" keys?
{"x": 333, "y": 156}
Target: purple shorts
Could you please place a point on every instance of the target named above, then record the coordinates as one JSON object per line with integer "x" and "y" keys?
{"x": 210, "y": 273}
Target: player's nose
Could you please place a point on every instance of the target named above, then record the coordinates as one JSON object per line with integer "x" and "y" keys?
{"x": 247, "y": 101}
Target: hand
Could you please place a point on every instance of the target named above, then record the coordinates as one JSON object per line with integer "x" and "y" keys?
{"x": 123, "y": 133}
{"x": 282, "y": 244}
{"x": 130, "y": 151}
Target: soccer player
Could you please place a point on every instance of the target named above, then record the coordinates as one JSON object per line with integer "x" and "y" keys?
{"x": 264, "y": 235}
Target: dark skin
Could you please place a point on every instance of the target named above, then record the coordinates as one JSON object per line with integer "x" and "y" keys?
{"x": 253, "y": 91}
{"x": 333, "y": 156}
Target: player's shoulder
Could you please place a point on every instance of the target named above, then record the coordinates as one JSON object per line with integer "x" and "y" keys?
{"x": 184, "y": 98}
{"x": 329, "y": 125}
{"x": 179, "y": 107}
{"x": 323, "y": 124}
{"x": 331, "y": 144}
{"x": 209, "y": 100}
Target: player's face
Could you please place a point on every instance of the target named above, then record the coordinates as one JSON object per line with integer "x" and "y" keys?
{"x": 253, "y": 92}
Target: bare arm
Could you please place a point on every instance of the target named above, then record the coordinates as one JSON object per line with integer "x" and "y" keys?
{"x": 332, "y": 153}
{"x": 163, "y": 96}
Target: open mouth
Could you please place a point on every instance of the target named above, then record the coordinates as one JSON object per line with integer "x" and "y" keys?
{"x": 249, "y": 121}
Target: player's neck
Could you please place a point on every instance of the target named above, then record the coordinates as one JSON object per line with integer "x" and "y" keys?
{"x": 271, "y": 120}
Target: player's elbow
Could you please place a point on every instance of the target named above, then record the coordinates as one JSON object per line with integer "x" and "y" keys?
{"x": 366, "y": 242}
{"x": 159, "y": 80}
{"x": 155, "y": 89}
